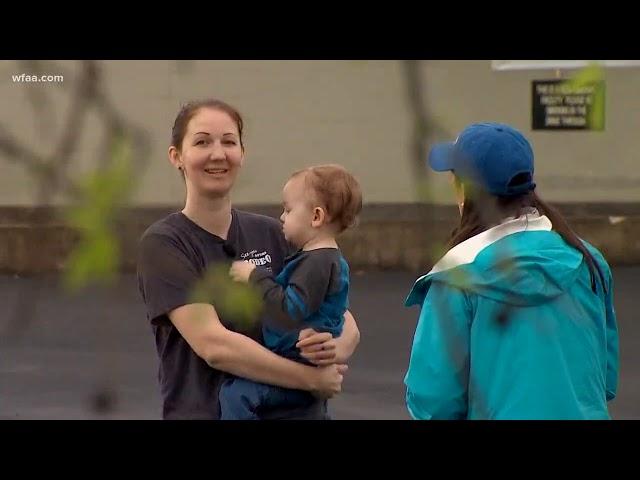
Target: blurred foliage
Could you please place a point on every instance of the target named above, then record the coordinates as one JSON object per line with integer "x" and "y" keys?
{"x": 436, "y": 251}
{"x": 591, "y": 77}
{"x": 435, "y": 189}
{"x": 239, "y": 302}
{"x": 102, "y": 194}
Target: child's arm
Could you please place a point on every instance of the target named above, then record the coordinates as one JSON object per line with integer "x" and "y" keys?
{"x": 308, "y": 286}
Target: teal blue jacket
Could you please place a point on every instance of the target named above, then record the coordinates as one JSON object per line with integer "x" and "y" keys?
{"x": 510, "y": 328}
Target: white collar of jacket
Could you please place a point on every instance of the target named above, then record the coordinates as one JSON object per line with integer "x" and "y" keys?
{"x": 467, "y": 251}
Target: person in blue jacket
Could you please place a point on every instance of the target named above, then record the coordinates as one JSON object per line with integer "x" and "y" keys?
{"x": 517, "y": 318}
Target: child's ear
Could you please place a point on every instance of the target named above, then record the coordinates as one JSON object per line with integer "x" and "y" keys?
{"x": 319, "y": 217}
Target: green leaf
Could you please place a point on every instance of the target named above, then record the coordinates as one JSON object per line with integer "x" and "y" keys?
{"x": 237, "y": 301}
{"x": 591, "y": 78}
{"x": 97, "y": 254}
{"x": 94, "y": 258}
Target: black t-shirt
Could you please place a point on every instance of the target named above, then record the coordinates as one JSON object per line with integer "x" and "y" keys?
{"x": 174, "y": 253}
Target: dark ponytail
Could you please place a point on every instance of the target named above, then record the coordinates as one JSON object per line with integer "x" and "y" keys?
{"x": 482, "y": 211}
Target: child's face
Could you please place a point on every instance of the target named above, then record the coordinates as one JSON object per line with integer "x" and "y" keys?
{"x": 298, "y": 212}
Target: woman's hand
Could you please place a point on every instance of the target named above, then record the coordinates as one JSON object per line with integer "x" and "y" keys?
{"x": 318, "y": 348}
{"x": 329, "y": 381}
{"x": 240, "y": 270}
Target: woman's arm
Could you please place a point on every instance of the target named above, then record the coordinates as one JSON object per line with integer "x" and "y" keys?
{"x": 239, "y": 355}
{"x": 167, "y": 277}
{"x": 613, "y": 347}
{"x": 349, "y": 340}
{"x": 323, "y": 349}
{"x": 438, "y": 375}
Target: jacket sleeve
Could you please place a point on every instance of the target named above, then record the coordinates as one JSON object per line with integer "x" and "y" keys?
{"x": 438, "y": 375}
{"x": 613, "y": 360}
{"x": 611, "y": 325}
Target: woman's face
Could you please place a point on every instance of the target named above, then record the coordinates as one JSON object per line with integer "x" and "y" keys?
{"x": 211, "y": 154}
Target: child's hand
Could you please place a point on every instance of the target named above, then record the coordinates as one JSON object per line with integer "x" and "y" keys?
{"x": 240, "y": 270}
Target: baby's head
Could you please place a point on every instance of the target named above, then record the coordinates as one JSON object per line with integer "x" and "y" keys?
{"x": 320, "y": 200}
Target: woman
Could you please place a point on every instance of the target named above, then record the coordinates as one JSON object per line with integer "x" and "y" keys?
{"x": 196, "y": 345}
{"x": 517, "y": 318}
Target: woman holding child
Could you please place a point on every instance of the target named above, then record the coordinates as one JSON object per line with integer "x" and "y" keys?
{"x": 198, "y": 348}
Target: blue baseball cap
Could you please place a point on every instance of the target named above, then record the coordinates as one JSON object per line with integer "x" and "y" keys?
{"x": 493, "y": 156}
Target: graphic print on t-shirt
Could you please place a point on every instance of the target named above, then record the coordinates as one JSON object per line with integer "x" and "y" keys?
{"x": 258, "y": 258}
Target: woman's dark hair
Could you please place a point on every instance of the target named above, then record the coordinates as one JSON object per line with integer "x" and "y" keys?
{"x": 189, "y": 110}
{"x": 482, "y": 211}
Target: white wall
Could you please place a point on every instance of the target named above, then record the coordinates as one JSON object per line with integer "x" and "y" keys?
{"x": 299, "y": 113}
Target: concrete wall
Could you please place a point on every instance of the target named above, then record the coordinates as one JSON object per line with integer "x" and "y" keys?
{"x": 298, "y": 113}
{"x": 308, "y": 112}
{"x": 406, "y": 236}
{"x": 578, "y": 166}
